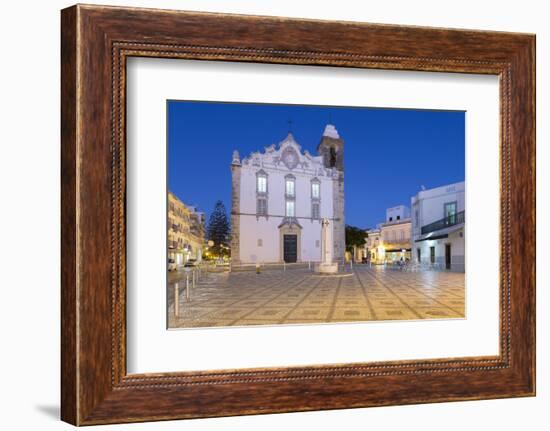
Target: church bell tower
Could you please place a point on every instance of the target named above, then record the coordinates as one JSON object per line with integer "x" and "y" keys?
{"x": 331, "y": 148}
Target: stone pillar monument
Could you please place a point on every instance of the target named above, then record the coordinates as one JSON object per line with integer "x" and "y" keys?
{"x": 327, "y": 266}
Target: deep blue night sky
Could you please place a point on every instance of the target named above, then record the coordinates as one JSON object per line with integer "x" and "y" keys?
{"x": 388, "y": 153}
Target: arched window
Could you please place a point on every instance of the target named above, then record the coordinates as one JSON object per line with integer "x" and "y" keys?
{"x": 332, "y": 157}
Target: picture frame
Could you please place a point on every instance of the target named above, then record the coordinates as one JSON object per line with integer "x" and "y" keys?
{"x": 96, "y": 41}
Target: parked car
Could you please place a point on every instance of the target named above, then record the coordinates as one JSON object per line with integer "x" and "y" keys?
{"x": 172, "y": 265}
{"x": 191, "y": 263}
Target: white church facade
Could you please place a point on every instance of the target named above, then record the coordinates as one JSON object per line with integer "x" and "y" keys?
{"x": 280, "y": 196}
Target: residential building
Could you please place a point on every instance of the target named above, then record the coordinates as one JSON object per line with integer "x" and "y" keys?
{"x": 185, "y": 231}
{"x": 396, "y": 237}
{"x": 438, "y": 217}
{"x": 279, "y": 197}
{"x": 390, "y": 242}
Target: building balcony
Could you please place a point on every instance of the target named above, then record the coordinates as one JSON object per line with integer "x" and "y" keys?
{"x": 446, "y": 222}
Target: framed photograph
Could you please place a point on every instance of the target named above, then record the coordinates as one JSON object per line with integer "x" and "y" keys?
{"x": 266, "y": 215}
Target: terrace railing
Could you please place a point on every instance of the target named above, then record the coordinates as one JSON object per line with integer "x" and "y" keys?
{"x": 445, "y": 222}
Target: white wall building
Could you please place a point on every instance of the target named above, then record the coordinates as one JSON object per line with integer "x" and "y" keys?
{"x": 438, "y": 227}
{"x": 279, "y": 197}
{"x": 397, "y": 213}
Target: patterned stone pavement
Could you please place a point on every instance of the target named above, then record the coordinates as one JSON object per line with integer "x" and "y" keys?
{"x": 300, "y": 296}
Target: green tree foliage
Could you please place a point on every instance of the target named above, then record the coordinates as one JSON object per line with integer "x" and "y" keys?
{"x": 355, "y": 237}
{"x": 218, "y": 230}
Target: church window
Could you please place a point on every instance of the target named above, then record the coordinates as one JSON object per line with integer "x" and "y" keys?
{"x": 289, "y": 209}
{"x": 315, "y": 210}
{"x": 260, "y": 242}
{"x": 290, "y": 187}
{"x": 261, "y": 193}
{"x": 261, "y": 206}
{"x": 315, "y": 190}
{"x": 261, "y": 183}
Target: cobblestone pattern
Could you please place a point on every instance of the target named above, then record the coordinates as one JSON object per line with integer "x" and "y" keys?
{"x": 300, "y": 296}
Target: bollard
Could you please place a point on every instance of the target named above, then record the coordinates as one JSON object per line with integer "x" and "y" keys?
{"x": 257, "y": 268}
{"x": 176, "y": 300}
{"x": 309, "y": 264}
{"x": 193, "y": 278}
{"x": 284, "y": 266}
{"x": 187, "y": 292}
{"x": 351, "y": 265}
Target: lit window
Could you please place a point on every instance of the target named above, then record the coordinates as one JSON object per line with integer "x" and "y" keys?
{"x": 262, "y": 184}
{"x": 315, "y": 190}
{"x": 290, "y": 208}
{"x": 289, "y": 187}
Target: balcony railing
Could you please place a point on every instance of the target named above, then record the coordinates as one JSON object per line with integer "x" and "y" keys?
{"x": 448, "y": 221}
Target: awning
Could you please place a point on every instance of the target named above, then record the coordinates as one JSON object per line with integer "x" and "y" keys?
{"x": 441, "y": 233}
{"x": 397, "y": 250}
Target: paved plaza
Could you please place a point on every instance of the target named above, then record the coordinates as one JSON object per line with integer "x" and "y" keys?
{"x": 300, "y": 296}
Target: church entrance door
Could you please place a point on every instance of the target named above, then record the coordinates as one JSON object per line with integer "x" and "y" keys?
{"x": 290, "y": 248}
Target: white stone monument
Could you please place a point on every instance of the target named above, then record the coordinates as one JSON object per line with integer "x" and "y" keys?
{"x": 327, "y": 266}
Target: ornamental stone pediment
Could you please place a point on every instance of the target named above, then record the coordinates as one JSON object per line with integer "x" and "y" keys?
{"x": 287, "y": 155}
